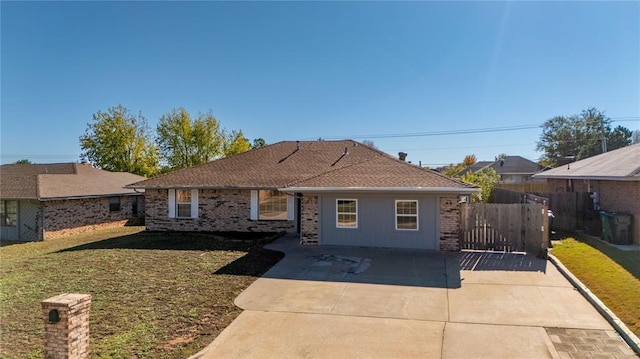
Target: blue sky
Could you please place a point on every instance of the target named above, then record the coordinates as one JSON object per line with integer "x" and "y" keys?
{"x": 303, "y": 70}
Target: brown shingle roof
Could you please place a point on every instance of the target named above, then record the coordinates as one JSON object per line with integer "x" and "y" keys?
{"x": 313, "y": 164}
{"x": 380, "y": 172}
{"x": 61, "y": 180}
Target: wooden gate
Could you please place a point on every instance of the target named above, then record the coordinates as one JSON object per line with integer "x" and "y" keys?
{"x": 504, "y": 227}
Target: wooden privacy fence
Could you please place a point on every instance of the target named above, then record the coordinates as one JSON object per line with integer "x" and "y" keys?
{"x": 504, "y": 227}
{"x": 571, "y": 210}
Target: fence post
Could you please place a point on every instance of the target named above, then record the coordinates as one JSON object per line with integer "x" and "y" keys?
{"x": 66, "y": 326}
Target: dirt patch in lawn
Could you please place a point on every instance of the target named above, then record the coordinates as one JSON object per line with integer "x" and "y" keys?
{"x": 155, "y": 295}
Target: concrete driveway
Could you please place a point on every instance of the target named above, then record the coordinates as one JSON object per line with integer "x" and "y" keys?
{"x": 326, "y": 302}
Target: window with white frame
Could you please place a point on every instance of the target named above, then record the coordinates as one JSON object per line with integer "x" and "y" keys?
{"x": 9, "y": 213}
{"x": 183, "y": 203}
{"x": 406, "y": 215}
{"x": 272, "y": 205}
{"x": 347, "y": 213}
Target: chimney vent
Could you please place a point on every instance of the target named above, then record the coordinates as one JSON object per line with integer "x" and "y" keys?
{"x": 402, "y": 156}
{"x": 297, "y": 145}
{"x": 346, "y": 151}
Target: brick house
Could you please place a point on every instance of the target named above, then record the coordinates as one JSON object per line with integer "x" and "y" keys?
{"x": 612, "y": 179}
{"x": 46, "y": 201}
{"x": 330, "y": 192}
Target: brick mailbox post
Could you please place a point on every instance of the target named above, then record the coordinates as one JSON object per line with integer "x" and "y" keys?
{"x": 66, "y": 326}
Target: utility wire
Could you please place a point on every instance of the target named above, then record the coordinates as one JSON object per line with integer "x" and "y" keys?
{"x": 457, "y": 132}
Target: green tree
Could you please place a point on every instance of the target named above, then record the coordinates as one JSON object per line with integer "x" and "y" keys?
{"x": 234, "y": 143}
{"x": 23, "y": 162}
{"x": 185, "y": 142}
{"x": 485, "y": 179}
{"x": 258, "y": 142}
{"x": 118, "y": 141}
{"x": 579, "y": 136}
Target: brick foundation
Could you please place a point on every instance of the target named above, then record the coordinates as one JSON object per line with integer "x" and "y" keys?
{"x": 69, "y": 337}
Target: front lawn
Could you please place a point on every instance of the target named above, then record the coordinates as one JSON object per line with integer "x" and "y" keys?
{"x": 611, "y": 274}
{"x": 154, "y": 295}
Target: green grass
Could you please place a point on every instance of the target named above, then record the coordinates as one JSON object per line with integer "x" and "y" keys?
{"x": 611, "y": 274}
{"x": 154, "y": 295}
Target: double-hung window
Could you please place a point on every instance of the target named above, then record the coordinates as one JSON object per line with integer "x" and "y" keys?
{"x": 347, "y": 213}
{"x": 9, "y": 213}
{"x": 183, "y": 203}
{"x": 406, "y": 215}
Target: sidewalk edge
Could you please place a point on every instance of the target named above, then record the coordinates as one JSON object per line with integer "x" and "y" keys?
{"x": 629, "y": 337}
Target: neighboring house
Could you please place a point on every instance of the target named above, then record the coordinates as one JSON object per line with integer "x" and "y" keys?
{"x": 331, "y": 192}
{"x": 512, "y": 169}
{"x": 46, "y": 201}
{"x": 612, "y": 178}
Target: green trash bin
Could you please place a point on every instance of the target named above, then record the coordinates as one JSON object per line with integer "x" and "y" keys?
{"x": 606, "y": 218}
{"x": 621, "y": 228}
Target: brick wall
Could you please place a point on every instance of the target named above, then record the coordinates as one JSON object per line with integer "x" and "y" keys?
{"x": 218, "y": 211}
{"x": 614, "y": 196}
{"x": 72, "y": 216}
{"x": 309, "y": 220}
{"x": 449, "y": 224}
{"x": 621, "y": 196}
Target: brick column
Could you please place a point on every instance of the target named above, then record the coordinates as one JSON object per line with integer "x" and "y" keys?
{"x": 449, "y": 224}
{"x": 67, "y": 338}
{"x": 309, "y": 220}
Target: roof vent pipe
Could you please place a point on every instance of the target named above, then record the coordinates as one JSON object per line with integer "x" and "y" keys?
{"x": 297, "y": 145}
{"x": 346, "y": 151}
{"x": 402, "y": 156}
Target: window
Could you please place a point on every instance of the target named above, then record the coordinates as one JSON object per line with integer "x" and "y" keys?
{"x": 407, "y": 215}
{"x": 114, "y": 204}
{"x": 347, "y": 213}
{"x": 183, "y": 203}
{"x": 9, "y": 213}
{"x": 272, "y": 205}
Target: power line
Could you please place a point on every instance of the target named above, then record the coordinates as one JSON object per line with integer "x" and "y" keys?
{"x": 458, "y": 132}
{"x": 436, "y": 133}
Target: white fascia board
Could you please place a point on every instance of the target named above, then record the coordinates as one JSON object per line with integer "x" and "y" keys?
{"x": 457, "y": 190}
